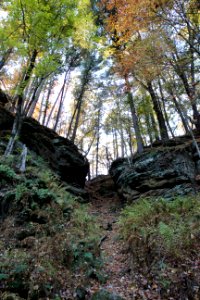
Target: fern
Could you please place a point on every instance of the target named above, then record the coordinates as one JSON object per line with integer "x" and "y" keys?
{"x": 160, "y": 227}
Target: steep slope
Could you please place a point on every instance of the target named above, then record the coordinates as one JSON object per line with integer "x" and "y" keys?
{"x": 60, "y": 153}
{"x": 48, "y": 240}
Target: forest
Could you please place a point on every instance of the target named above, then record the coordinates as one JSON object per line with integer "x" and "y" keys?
{"x": 92, "y": 87}
{"x": 112, "y": 76}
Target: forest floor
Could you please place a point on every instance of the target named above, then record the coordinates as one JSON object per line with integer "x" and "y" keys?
{"x": 106, "y": 208}
{"x": 121, "y": 280}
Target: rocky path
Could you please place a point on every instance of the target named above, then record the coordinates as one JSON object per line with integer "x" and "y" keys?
{"x": 106, "y": 206}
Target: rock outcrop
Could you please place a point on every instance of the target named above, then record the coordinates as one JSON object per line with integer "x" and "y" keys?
{"x": 101, "y": 186}
{"x": 61, "y": 154}
{"x": 168, "y": 170}
{"x": 4, "y": 98}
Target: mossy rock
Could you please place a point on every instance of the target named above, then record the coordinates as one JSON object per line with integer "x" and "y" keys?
{"x": 105, "y": 295}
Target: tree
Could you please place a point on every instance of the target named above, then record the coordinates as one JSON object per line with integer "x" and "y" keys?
{"x": 41, "y": 43}
{"x": 134, "y": 117}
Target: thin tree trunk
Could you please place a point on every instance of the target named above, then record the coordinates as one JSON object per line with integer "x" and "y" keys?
{"x": 136, "y": 126}
{"x": 47, "y": 102}
{"x": 72, "y": 120}
{"x": 177, "y": 107}
{"x": 41, "y": 108}
{"x": 129, "y": 133}
{"x": 74, "y": 132}
{"x": 29, "y": 110}
{"x": 78, "y": 108}
{"x": 164, "y": 108}
{"x": 98, "y": 134}
{"x": 139, "y": 141}
{"x": 154, "y": 126}
{"x": 122, "y": 141}
{"x": 19, "y": 114}
{"x": 53, "y": 107}
{"x": 89, "y": 147}
{"x": 189, "y": 88}
{"x": 84, "y": 81}
{"x": 115, "y": 144}
{"x": 159, "y": 114}
{"x": 97, "y": 152}
{"x": 5, "y": 58}
{"x": 28, "y": 92}
{"x": 181, "y": 114}
{"x": 61, "y": 101}
{"x": 148, "y": 124}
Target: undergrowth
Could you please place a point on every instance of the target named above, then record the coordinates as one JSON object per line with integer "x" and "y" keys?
{"x": 48, "y": 236}
{"x": 163, "y": 239}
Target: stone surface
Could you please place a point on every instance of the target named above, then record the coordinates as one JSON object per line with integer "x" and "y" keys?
{"x": 163, "y": 171}
{"x": 101, "y": 186}
{"x": 60, "y": 153}
{"x": 6, "y": 118}
{"x": 4, "y": 99}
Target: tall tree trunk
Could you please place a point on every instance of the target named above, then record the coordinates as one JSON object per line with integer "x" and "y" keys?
{"x": 115, "y": 144}
{"x": 129, "y": 133}
{"x": 46, "y": 104}
{"x": 136, "y": 127}
{"x": 85, "y": 80}
{"x": 159, "y": 113}
{"x": 181, "y": 114}
{"x": 79, "y": 106}
{"x": 72, "y": 120}
{"x": 61, "y": 101}
{"x": 19, "y": 113}
{"x": 31, "y": 105}
{"x": 97, "y": 151}
{"x": 188, "y": 86}
{"x": 98, "y": 134}
{"x": 148, "y": 124}
{"x": 177, "y": 105}
{"x": 154, "y": 126}
{"x": 53, "y": 107}
{"x": 164, "y": 108}
{"x": 121, "y": 133}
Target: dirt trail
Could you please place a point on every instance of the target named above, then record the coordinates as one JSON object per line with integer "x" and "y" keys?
{"x": 106, "y": 206}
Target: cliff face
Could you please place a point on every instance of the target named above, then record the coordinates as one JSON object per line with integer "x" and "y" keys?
{"x": 61, "y": 154}
{"x": 167, "y": 171}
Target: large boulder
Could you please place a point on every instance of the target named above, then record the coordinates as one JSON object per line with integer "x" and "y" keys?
{"x": 61, "y": 154}
{"x": 167, "y": 171}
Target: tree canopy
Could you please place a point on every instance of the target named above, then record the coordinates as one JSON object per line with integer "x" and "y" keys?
{"x": 109, "y": 75}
